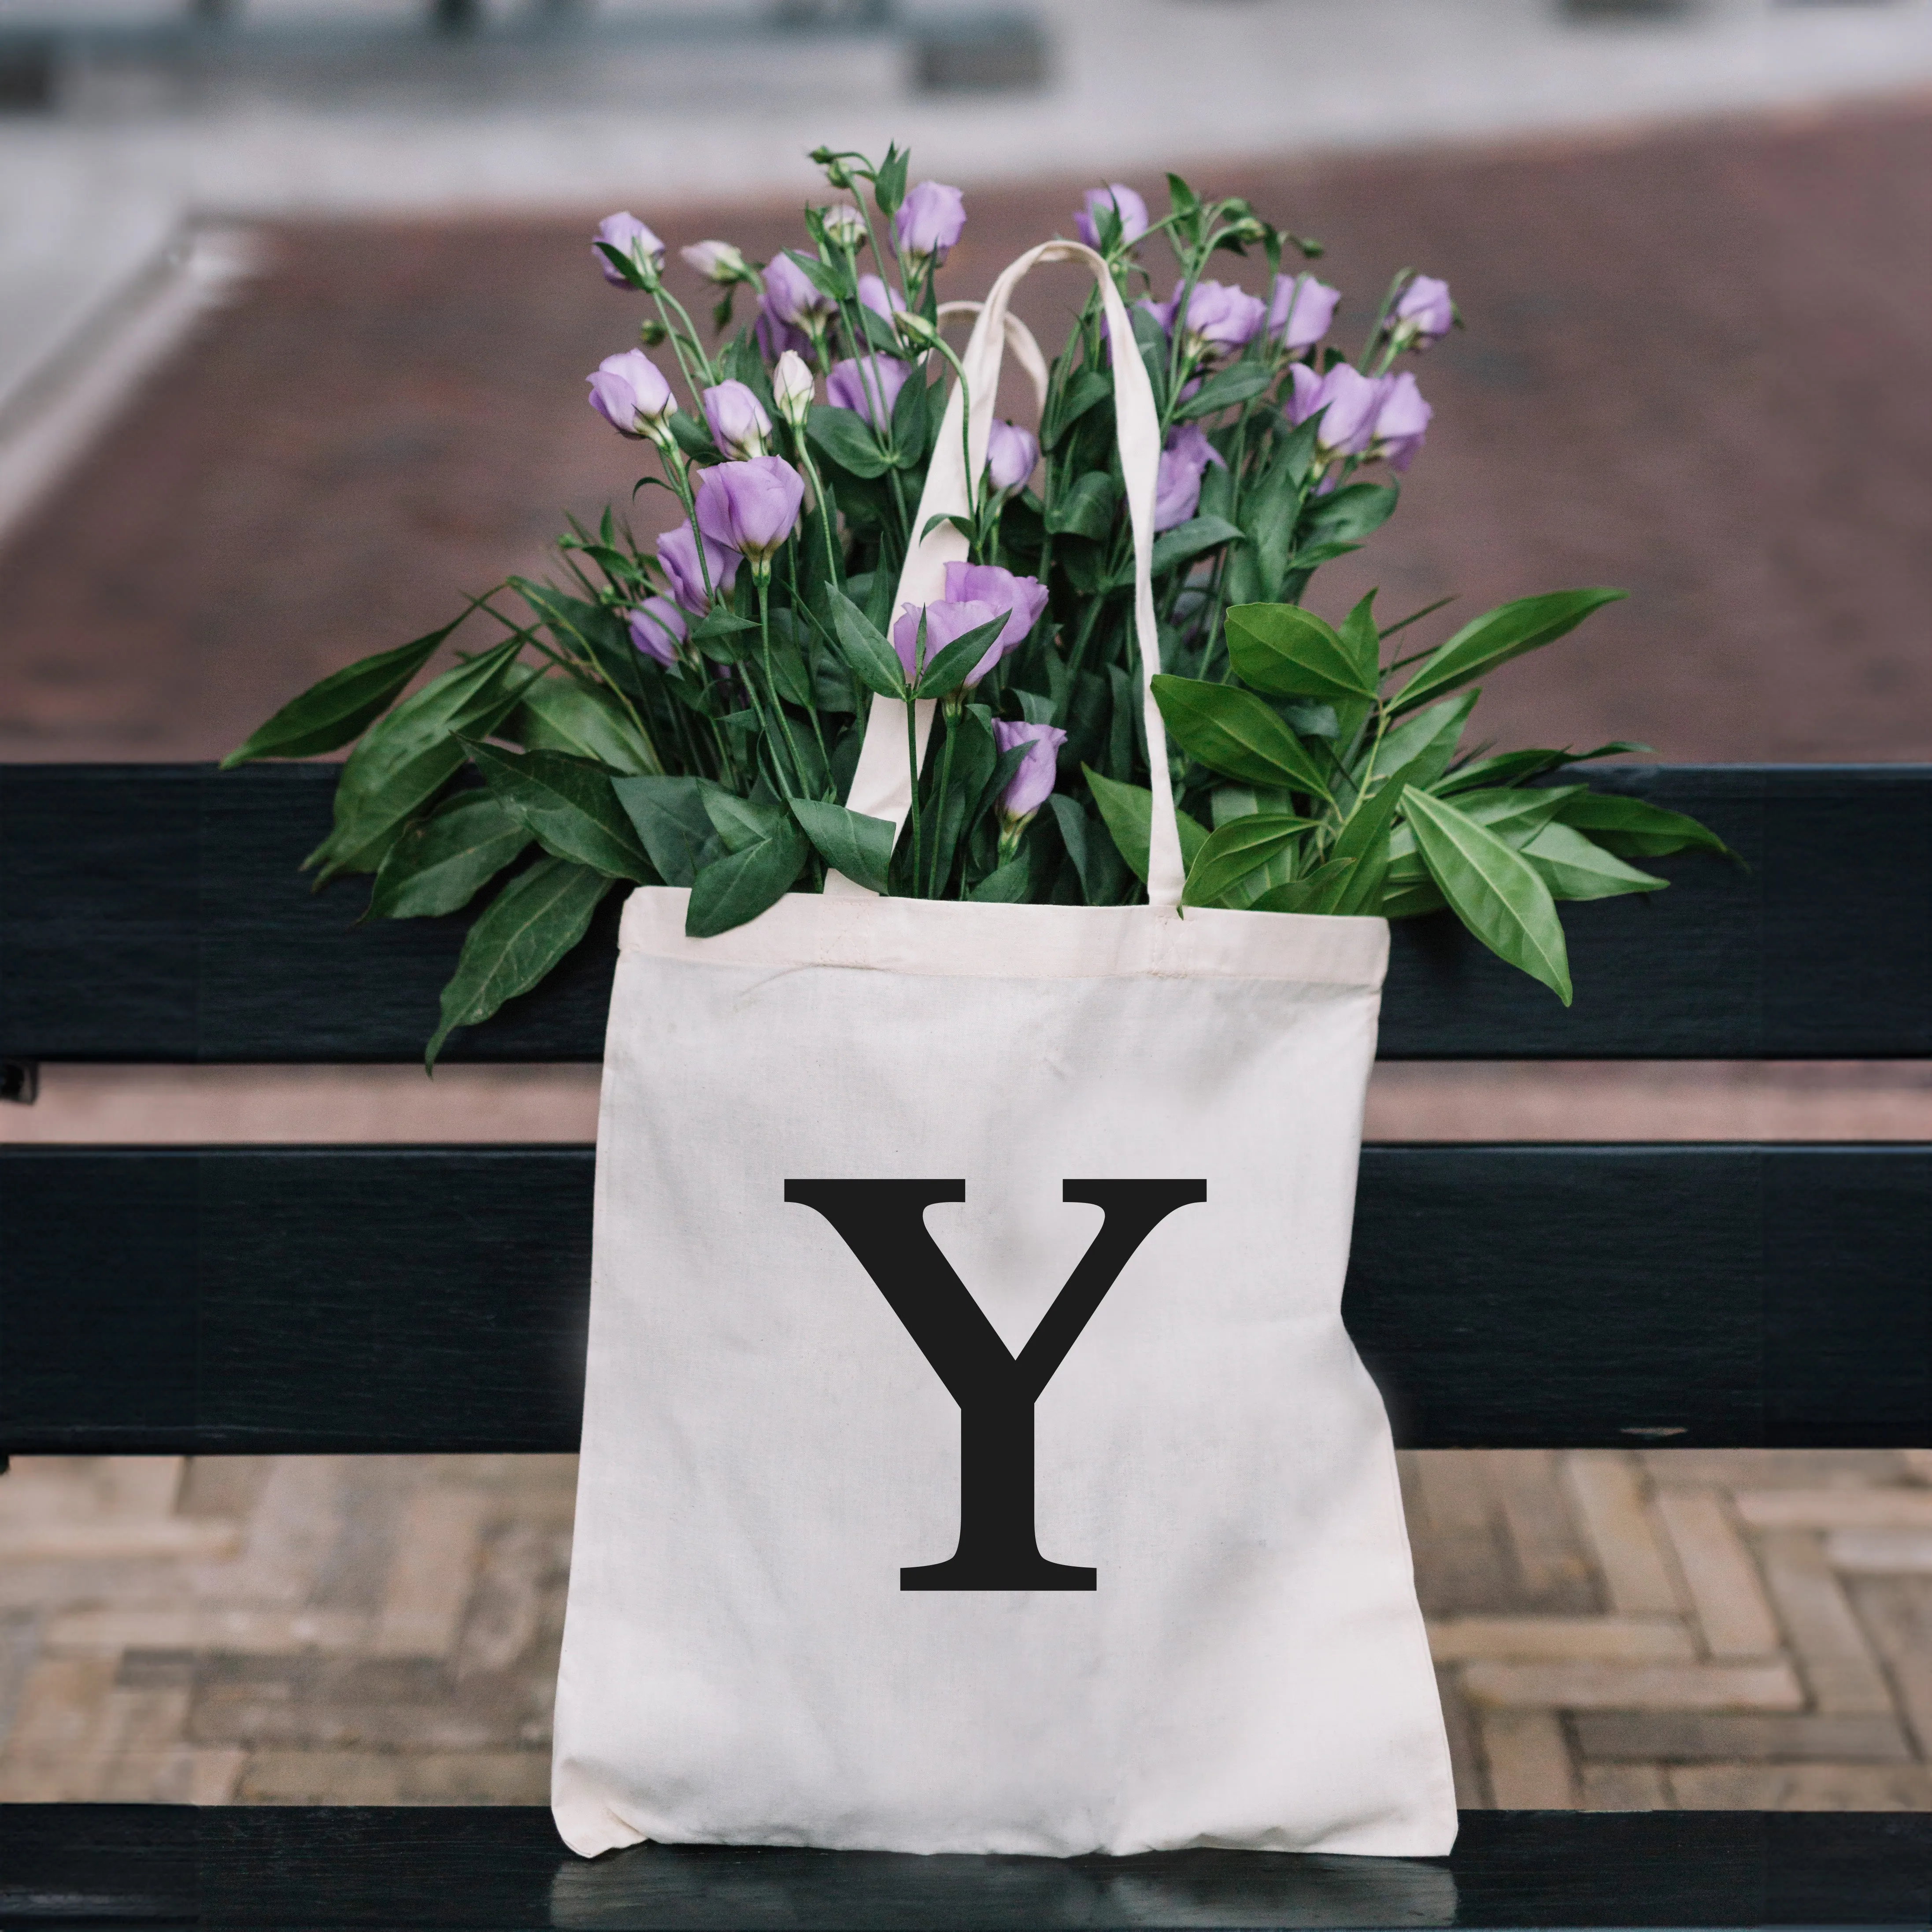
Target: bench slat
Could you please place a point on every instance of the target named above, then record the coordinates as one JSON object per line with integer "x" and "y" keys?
{"x": 394, "y": 1299}
{"x": 154, "y": 913}
{"x": 270, "y": 1867}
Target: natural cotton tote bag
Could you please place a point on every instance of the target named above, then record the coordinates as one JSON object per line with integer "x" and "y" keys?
{"x": 974, "y": 1459}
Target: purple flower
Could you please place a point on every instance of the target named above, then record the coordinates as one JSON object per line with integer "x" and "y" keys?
{"x": 630, "y": 393}
{"x": 1424, "y": 314}
{"x": 868, "y": 386}
{"x": 1032, "y": 785}
{"x": 1177, "y": 489}
{"x": 753, "y": 506}
{"x": 1402, "y": 422}
{"x": 930, "y": 221}
{"x": 1351, "y": 399}
{"x": 1023, "y": 599}
{"x": 677, "y": 553}
{"x": 1222, "y": 319}
{"x": 1011, "y": 454}
{"x": 1299, "y": 316}
{"x": 631, "y": 238}
{"x": 791, "y": 296}
{"x": 1120, "y": 198}
{"x": 947, "y": 620}
{"x": 657, "y": 628}
{"x": 738, "y": 421}
{"x": 775, "y": 337}
{"x": 875, "y": 295}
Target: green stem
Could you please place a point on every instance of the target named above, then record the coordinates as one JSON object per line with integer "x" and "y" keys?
{"x": 761, "y": 576}
{"x": 933, "y": 881}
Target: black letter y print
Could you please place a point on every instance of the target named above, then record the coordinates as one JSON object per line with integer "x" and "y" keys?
{"x": 883, "y": 1223}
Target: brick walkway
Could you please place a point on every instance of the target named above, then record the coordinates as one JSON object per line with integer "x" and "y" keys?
{"x": 1618, "y": 1631}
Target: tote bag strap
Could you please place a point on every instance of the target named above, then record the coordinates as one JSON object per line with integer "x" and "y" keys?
{"x": 882, "y": 785}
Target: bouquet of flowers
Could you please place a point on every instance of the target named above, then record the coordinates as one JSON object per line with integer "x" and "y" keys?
{"x": 692, "y": 715}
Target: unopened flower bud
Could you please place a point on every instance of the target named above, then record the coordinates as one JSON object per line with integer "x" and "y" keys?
{"x": 736, "y": 419}
{"x": 652, "y": 332}
{"x": 836, "y": 172}
{"x": 639, "y": 249}
{"x": 915, "y": 330}
{"x": 630, "y": 393}
{"x": 844, "y": 226}
{"x": 792, "y": 388}
{"x": 1424, "y": 313}
{"x": 717, "y": 262}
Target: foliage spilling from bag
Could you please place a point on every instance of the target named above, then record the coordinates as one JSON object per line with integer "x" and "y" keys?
{"x": 692, "y": 716}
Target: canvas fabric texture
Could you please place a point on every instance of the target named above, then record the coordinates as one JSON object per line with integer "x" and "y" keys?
{"x": 974, "y": 1459}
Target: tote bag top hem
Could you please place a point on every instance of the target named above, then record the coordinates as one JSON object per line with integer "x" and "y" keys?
{"x": 951, "y": 940}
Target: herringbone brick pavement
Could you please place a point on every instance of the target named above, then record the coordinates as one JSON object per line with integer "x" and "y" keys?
{"x": 1614, "y": 1630}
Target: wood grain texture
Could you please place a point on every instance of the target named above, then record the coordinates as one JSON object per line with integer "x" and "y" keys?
{"x": 364, "y": 1299}
{"x": 270, "y": 1868}
{"x": 154, "y": 913}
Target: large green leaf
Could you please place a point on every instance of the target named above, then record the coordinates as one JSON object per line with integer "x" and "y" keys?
{"x": 739, "y": 886}
{"x": 945, "y": 671}
{"x": 1574, "y": 867}
{"x": 1239, "y": 384}
{"x": 523, "y": 932}
{"x": 1498, "y": 635}
{"x": 1286, "y": 652}
{"x": 873, "y": 661}
{"x": 1515, "y": 813}
{"x": 843, "y": 436}
{"x": 1127, "y": 812}
{"x": 848, "y": 841}
{"x": 1318, "y": 893}
{"x": 558, "y": 714}
{"x": 1187, "y": 541}
{"x": 569, "y": 807}
{"x": 1347, "y": 515}
{"x": 587, "y": 631}
{"x": 328, "y": 714}
{"x": 1269, "y": 507}
{"x": 1087, "y": 509}
{"x": 670, "y": 819}
{"x": 1235, "y": 852}
{"x": 1634, "y": 828}
{"x": 1497, "y": 893}
{"x": 1424, "y": 745}
{"x": 1010, "y": 884}
{"x": 742, "y": 822}
{"x": 1101, "y": 873}
{"x": 1233, "y": 732}
{"x": 440, "y": 862}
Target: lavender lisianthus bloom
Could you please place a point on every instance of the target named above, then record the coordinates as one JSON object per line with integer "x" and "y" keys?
{"x": 878, "y": 297}
{"x": 1031, "y": 786}
{"x": 930, "y": 221}
{"x": 947, "y": 620}
{"x": 678, "y": 553}
{"x": 737, "y": 419}
{"x": 630, "y": 393}
{"x": 868, "y": 386}
{"x": 752, "y": 507}
{"x": 657, "y": 628}
{"x": 1351, "y": 399}
{"x": 792, "y": 295}
{"x": 1302, "y": 309}
{"x": 1022, "y": 598}
{"x": 1177, "y": 489}
{"x": 1011, "y": 454}
{"x": 1122, "y": 200}
{"x": 1424, "y": 313}
{"x": 632, "y": 239}
{"x": 1401, "y": 423}
{"x": 1222, "y": 319}
{"x": 774, "y": 336}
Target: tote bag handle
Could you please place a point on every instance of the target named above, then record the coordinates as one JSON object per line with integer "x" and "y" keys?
{"x": 882, "y": 783}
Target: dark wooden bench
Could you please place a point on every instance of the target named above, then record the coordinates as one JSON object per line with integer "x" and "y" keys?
{"x": 339, "y": 1299}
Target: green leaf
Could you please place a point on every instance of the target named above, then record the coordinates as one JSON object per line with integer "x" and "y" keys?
{"x": 1287, "y": 652}
{"x": 1515, "y": 814}
{"x": 1010, "y": 885}
{"x": 1498, "y": 635}
{"x": 1634, "y": 830}
{"x": 1236, "y": 852}
{"x": 844, "y": 435}
{"x": 1098, "y": 866}
{"x": 889, "y": 183}
{"x": 1186, "y": 541}
{"x": 1239, "y": 384}
{"x": 1498, "y": 895}
{"x": 440, "y": 862}
{"x": 848, "y": 841}
{"x": 587, "y": 631}
{"x": 1348, "y": 515}
{"x": 693, "y": 437}
{"x": 1317, "y": 893}
{"x": 1086, "y": 510}
{"x": 328, "y": 714}
{"x": 947, "y": 669}
{"x": 1411, "y": 902}
{"x": 558, "y": 714}
{"x": 568, "y": 806}
{"x": 1069, "y": 404}
{"x": 742, "y": 823}
{"x": 1363, "y": 641}
{"x": 1234, "y": 733}
{"x": 909, "y": 411}
{"x": 828, "y": 278}
{"x": 523, "y": 932}
{"x": 873, "y": 662}
{"x": 736, "y": 888}
{"x": 670, "y": 819}
{"x": 1428, "y": 741}
{"x": 1574, "y": 867}
{"x": 1127, "y": 812}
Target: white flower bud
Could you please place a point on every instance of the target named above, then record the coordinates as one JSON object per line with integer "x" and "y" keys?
{"x": 844, "y": 226}
{"x": 717, "y": 262}
{"x": 915, "y": 330}
{"x": 792, "y": 388}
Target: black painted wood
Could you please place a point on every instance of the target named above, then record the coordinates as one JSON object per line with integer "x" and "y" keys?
{"x": 340, "y": 1299}
{"x": 154, "y": 913}
{"x": 272, "y": 1868}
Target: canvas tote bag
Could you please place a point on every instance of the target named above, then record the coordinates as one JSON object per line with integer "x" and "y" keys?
{"x": 973, "y": 1457}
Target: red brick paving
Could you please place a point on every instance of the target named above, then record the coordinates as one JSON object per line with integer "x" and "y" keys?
{"x": 1696, "y": 365}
